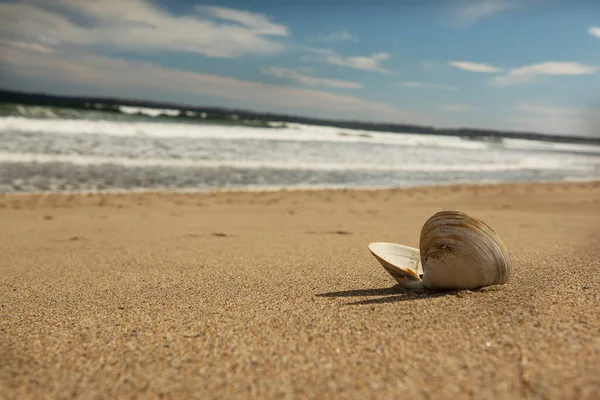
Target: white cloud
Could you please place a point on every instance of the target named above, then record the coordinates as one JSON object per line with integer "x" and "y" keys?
{"x": 475, "y": 67}
{"x": 140, "y": 25}
{"x": 366, "y": 63}
{"x": 126, "y": 78}
{"x": 258, "y": 22}
{"x": 455, "y": 107}
{"x": 426, "y": 85}
{"x": 594, "y": 31}
{"x": 341, "y": 36}
{"x": 300, "y": 77}
{"x": 529, "y": 73}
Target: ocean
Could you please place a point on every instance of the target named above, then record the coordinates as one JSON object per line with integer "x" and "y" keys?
{"x": 49, "y": 149}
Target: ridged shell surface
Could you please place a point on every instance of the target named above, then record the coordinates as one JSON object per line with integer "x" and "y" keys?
{"x": 461, "y": 252}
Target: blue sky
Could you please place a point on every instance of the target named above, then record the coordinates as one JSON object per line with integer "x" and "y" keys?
{"x": 502, "y": 64}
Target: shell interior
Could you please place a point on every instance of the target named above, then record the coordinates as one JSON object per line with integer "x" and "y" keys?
{"x": 403, "y": 263}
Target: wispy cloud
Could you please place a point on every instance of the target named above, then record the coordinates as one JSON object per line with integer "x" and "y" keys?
{"x": 303, "y": 78}
{"x": 475, "y": 67}
{"x": 428, "y": 65}
{"x": 140, "y": 25}
{"x": 366, "y": 63}
{"x": 455, "y": 107}
{"x": 27, "y": 46}
{"x": 594, "y": 31}
{"x": 473, "y": 10}
{"x": 335, "y": 37}
{"x": 529, "y": 73}
{"x": 126, "y": 78}
{"x": 426, "y": 85}
{"x": 259, "y": 23}
{"x": 462, "y": 13}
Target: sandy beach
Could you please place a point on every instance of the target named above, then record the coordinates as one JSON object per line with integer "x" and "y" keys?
{"x": 275, "y": 295}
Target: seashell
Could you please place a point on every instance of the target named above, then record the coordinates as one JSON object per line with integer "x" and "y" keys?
{"x": 403, "y": 263}
{"x": 456, "y": 251}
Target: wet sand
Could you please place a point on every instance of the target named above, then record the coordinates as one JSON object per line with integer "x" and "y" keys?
{"x": 275, "y": 295}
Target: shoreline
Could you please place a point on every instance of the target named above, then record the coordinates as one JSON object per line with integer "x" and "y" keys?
{"x": 299, "y": 188}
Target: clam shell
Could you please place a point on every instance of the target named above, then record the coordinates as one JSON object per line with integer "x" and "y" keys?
{"x": 461, "y": 252}
{"x": 456, "y": 251}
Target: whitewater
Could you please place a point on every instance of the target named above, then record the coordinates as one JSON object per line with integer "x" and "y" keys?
{"x": 83, "y": 154}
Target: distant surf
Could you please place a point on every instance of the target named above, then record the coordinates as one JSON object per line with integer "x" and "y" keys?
{"x": 84, "y": 150}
